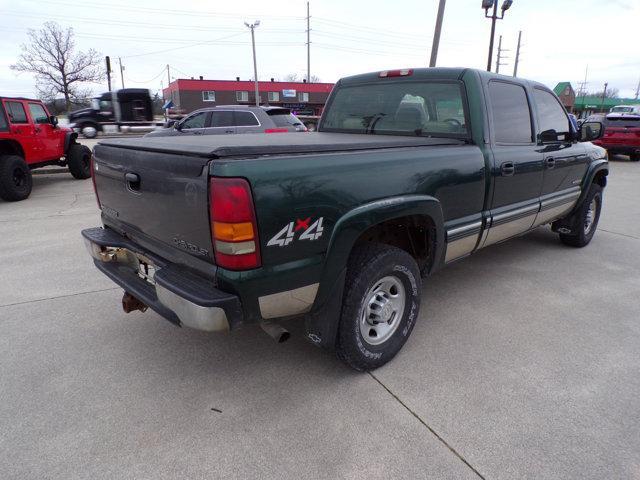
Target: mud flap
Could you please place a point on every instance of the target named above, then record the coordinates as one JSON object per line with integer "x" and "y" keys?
{"x": 322, "y": 325}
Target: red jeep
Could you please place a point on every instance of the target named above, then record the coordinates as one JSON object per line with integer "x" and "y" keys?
{"x": 621, "y": 135}
{"x": 31, "y": 138}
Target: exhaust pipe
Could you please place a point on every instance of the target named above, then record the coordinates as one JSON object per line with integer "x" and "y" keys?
{"x": 131, "y": 303}
{"x": 275, "y": 331}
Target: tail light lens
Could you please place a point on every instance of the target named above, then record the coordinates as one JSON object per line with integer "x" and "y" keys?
{"x": 94, "y": 169}
{"x": 276, "y": 130}
{"x": 234, "y": 230}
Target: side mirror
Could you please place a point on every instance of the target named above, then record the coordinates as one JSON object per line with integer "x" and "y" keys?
{"x": 170, "y": 123}
{"x": 177, "y": 126}
{"x": 53, "y": 120}
{"x": 591, "y": 131}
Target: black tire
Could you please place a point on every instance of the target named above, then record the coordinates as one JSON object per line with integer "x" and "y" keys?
{"x": 581, "y": 236}
{"x": 79, "y": 161}
{"x": 635, "y": 157}
{"x": 15, "y": 178}
{"x": 369, "y": 265}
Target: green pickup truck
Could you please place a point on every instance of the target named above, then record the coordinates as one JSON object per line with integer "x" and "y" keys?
{"x": 409, "y": 170}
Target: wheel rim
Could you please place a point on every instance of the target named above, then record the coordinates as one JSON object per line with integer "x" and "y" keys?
{"x": 383, "y": 309}
{"x": 89, "y": 131}
{"x": 591, "y": 216}
{"x": 19, "y": 177}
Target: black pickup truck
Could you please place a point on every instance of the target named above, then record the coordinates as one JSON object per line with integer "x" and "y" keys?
{"x": 409, "y": 170}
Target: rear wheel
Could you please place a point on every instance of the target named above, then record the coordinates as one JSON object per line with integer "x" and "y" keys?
{"x": 635, "y": 157}
{"x": 380, "y": 305}
{"x": 586, "y": 220}
{"x": 15, "y": 178}
{"x": 79, "y": 161}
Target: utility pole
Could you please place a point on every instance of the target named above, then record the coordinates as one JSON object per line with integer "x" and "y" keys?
{"x": 501, "y": 55}
{"x": 255, "y": 65}
{"x": 604, "y": 95}
{"x": 308, "y": 45}
{"x": 107, "y": 61}
{"x": 168, "y": 75}
{"x": 638, "y": 90}
{"x": 515, "y": 66}
{"x": 121, "y": 71}
{"x": 436, "y": 34}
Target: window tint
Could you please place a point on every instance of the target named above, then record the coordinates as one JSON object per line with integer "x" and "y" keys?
{"x": 16, "y": 112}
{"x": 222, "y": 119}
{"x": 38, "y": 114}
{"x": 399, "y": 108}
{"x": 554, "y": 124}
{"x": 195, "y": 121}
{"x": 285, "y": 120}
{"x": 4, "y": 125}
{"x": 246, "y": 119}
{"x": 511, "y": 114}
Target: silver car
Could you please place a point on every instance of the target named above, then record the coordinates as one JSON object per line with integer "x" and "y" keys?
{"x": 229, "y": 119}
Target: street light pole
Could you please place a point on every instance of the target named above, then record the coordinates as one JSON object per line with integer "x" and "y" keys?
{"x": 436, "y": 34}
{"x": 486, "y": 5}
{"x": 255, "y": 65}
{"x": 494, "y": 17}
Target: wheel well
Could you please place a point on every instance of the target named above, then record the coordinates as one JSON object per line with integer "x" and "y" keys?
{"x": 11, "y": 147}
{"x": 414, "y": 234}
{"x": 601, "y": 178}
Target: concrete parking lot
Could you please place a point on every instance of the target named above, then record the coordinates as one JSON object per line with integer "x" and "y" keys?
{"x": 525, "y": 363}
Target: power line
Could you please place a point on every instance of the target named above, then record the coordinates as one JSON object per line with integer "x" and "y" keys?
{"x": 148, "y": 81}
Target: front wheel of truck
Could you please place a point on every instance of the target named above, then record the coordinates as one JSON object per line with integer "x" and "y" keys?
{"x": 380, "y": 305}
{"x": 586, "y": 219}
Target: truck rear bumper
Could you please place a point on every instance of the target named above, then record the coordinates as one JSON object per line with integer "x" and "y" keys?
{"x": 176, "y": 293}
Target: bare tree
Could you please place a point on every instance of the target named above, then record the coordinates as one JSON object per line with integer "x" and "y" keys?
{"x": 610, "y": 93}
{"x": 295, "y": 77}
{"x": 57, "y": 67}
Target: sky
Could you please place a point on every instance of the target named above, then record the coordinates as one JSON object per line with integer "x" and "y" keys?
{"x": 561, "y": 39}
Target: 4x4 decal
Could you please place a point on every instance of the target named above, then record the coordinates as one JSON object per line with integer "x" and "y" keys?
{"x": 310, "y": 231}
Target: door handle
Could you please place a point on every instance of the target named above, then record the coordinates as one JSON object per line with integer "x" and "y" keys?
{"x": 133, "y": 180}
{"x": 507, "y": 169}
{"x": 228, "y": 131}
{"x": 550, "y": 162}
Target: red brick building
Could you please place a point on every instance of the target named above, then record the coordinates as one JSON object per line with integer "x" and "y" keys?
{"x": 301, "y": 97}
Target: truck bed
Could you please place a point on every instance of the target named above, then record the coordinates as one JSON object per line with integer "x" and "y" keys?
{"x": 222, "y": 146}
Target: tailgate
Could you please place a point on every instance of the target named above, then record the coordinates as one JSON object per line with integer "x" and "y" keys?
{"x": 161, "y": 196}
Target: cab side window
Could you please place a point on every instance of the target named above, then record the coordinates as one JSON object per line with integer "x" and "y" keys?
{"x": 16, "y": 112}
{"x": 38, "y": 114}
{"x": 511, "y": 113}
{"x": 554, "y": 123}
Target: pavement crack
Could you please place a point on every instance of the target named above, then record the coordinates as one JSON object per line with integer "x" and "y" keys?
{"x": 618, "y": 233}
{"x": 58, "y": 296}
{"x": 433, "y": 432}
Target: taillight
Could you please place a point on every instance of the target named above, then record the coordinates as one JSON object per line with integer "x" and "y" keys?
{"x": 405, "y": 72}
{"x": 94, "y": 169}
{"x": 234, "y": 230}
{"x": 276, "y": 130}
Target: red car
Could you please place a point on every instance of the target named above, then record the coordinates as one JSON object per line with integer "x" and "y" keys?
{"x": 621, "y": 135}
{"x": 31, "y": 138}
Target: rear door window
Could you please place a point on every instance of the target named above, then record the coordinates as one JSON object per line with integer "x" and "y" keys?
{"x": 4, "y": 125}
{"x": 554, "y": 123}
{"x": 16, "y": 112}
{"x": 38, "y": 115}
{"x": 511, "y": 113}
{"x": 246, "y": 119}
{"x": 222, "y": 119}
